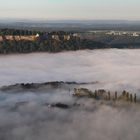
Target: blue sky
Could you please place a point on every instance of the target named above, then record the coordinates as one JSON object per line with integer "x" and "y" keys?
{"x": 70, "y": 9}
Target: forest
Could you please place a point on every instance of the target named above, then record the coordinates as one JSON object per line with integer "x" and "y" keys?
{"x": 18, "y": 41}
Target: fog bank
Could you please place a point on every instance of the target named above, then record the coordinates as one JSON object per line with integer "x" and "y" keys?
{"x": 27, "y": 114}
{"x": 112, "y": 68}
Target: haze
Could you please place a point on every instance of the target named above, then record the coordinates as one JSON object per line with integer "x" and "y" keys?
{"x": 73, "y": 9}
{"x": 26, "y": 115}
{"x": 112, "y": 68}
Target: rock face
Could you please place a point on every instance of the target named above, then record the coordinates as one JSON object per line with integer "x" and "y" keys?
{"x": 18, "y": 37}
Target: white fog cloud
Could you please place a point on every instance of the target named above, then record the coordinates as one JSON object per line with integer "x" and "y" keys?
{"x": 32, "y": 119}
{"x": 113, "y": 68}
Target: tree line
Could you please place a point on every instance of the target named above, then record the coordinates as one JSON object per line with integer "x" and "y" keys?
{"x": 51, "y": 42}
{"x": 19, "y": 32}
{"x": 45, "y": 42}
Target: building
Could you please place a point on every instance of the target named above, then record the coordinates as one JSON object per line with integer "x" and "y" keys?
{"x": 135, "y": 34}
{"x": 56, "y": 37}
{"x": 1, "y": 38}
{"x": 66, "y": 37}
{"x": 37, "y": 35}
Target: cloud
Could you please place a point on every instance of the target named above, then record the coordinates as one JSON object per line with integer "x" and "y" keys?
{"x": 34, "y": 120}
{"x": 113, "y": 69}
{"x": 26, "y": 116}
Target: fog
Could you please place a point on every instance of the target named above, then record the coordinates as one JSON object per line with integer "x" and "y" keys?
{"x": 35, "y": 120}
{"x": 112, "y": 68}
{"x": 27, "y": 115}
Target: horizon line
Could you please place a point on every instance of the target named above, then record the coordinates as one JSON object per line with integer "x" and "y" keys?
{"x": 67, "y": 19}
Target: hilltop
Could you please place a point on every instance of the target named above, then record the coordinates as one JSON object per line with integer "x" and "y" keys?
{"x": 27, "y": 41}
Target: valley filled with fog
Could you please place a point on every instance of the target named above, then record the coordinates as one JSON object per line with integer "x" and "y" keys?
{"x": 110, "y": 68}
{"x": 36, "y": 114}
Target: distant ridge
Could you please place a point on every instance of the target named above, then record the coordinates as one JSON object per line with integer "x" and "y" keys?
{"x": 70, "y": 24}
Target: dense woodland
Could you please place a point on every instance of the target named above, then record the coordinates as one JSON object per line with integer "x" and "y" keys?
{"x": 50, "y": 42}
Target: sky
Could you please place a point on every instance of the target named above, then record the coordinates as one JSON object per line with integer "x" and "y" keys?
{"x": 71, "y": 9}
